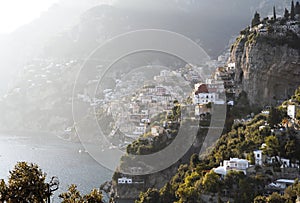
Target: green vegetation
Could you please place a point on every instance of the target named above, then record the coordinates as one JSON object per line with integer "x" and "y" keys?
{"x": 190, "y": 183}
{"x": 74, "y": 196}
{"x": 296, "y": 98}
{"x": 26, "y": 183}
{"x": 243, "y": 138}
{"x": 276, "y": 115}
{"x": 147, "y": 144}
{"x": 256, "y": 20}
{"x": 290, "y": 38}
{"x": 290, "y": 195}
{"x": 195, "y": 180}
{"x": 272, "y": 31}
{"x": 292, "y": 11}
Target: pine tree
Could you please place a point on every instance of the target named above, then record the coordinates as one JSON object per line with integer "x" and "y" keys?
{"x": 292, "y": 11}
{"x": 286, "y": 13}
{"x": 26, "y": 183}
{"x": 74, "y": 196}
{"x": 297, "y": 8}
{"x": 274, "y": 13}
{"x": 255, "y": 20}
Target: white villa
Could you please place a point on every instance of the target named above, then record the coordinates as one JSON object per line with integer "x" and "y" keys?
{"x": 124, "y": 180}
{"x": 203, "y": 96}
{"x": 260, "y": 159}
{"x": 233, "y": 164}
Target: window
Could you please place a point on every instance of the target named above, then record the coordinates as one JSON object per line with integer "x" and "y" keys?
{"x": 258, "y": 155}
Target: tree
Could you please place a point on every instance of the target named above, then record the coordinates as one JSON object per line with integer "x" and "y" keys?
{"x": 290, "y": 193}
{"x": 286, "y": 13}
{"x": 74, "y": 196}
{"x": 246, "y": 190}
{"x": 272, "y": 147}
{"x": 255, "y": 20}
{"x": 194, "y": 160}
{"x": 26, "y": 183}
{"x": 3, "y": 191}
{"x": 189, "y": 190}
{"x": 95, "y": 196}
{"x": 274, "y": 13}
{"x": 167, "y": 194}
{"x": 211, "y": 182}
{"x": 232, "y": 179}
{"x": 297, "y": 8}
{"x": 260, "y": 199}
{"x": 291, "y": 149}
{"x": 294, "y": 190}
{"x": 292, "y": 11}
{"x": 176, "y": 110}
{"x": 150, "y": 196}
{"x": 275, "y": 198}
{"x": 275, "y": 116}
{"x": 188, "y": 193}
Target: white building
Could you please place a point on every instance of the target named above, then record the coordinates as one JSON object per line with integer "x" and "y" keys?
{"x": 233, "y": 164}
{"x": 204, "y": 98}
{"x": 124, "y": 180}
{"x": 285, "y": 163}
{"x": 292, "y": 111}
{"x": 281, "y": 183}
{"x": 231, "y": 66}
{"x": 202, "y": 95}
{"x": 258, "y": 157}
{"x": 284, "y": 183}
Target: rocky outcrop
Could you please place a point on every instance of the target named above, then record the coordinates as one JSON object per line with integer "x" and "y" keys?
{"x": 267, "y": 64}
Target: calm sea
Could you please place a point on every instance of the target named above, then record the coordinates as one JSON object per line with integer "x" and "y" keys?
{"x": 55, "y": 157}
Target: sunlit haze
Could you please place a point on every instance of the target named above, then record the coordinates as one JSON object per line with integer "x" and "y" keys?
{"x": 157, "y": 101}
{"x": 15, "y": 13}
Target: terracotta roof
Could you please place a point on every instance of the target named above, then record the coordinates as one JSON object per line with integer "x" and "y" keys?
{"x": 202, "y": 89}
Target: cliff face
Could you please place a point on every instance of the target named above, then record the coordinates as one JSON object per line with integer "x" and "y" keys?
{"x": 267, "y": 64}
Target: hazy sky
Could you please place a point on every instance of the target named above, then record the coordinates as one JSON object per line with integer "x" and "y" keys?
{"x": 14, "y": 13}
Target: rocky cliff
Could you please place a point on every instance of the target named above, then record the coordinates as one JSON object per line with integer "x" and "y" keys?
{"x": 267, "y": 62}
